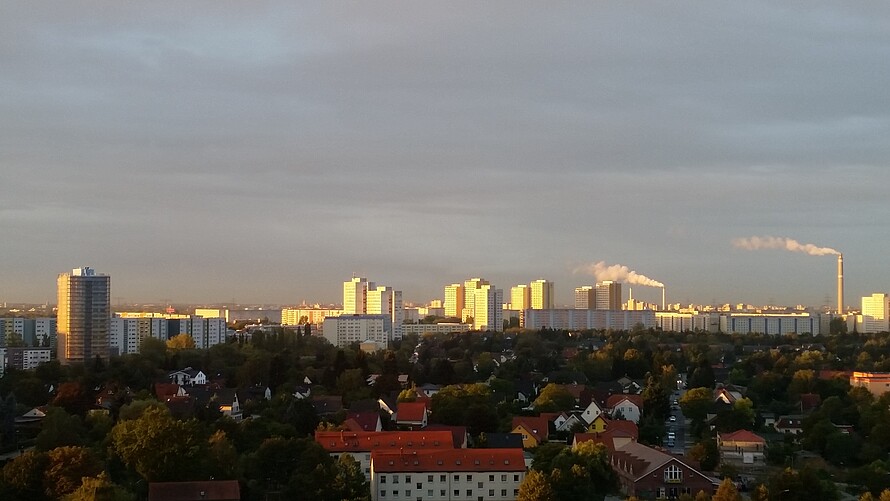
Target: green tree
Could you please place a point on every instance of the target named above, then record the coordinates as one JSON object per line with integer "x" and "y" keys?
{"x": 536, "y": 487}
{"x": 349, "y": 482}
{"x": 158, "y": 447}
{"x": 60, "y": 429}
{"x": 23, "y": 476}
{"x": 760, "y": 493}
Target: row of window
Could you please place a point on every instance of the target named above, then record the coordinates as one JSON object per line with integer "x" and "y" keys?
{"x": 443, "y": 478}
{"x": 429, "y": 493}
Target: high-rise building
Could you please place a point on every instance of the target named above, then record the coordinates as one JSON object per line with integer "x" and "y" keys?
{"x": 875, "y": 314}
{"x": 470, "y": 288}
{"x": 520, "y": 298}
{"x": 386, "y": 301}
{"x": 608, "y": 295}
{"x": 355, "y": 296}
{"x": 488, "y": 308}
{"x": 585, "y": 298}
{"x": 454, "y": 301}
{"x": 84, "y": 315}
{"x": 542, "y": 295}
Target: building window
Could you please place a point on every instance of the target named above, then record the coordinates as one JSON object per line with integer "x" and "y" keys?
{"x": 491, "y": 478}
{"x": 673, "y": 474}
{"x": 516, "y": 478}
{"x": 418, "y": 485}
{"x": 469, "y": 493}
{"x": 429, "y": 478}
{"x": 395, "y": 479}
{"x": 503, "y": 478}
{"x": 469, "y": 478}
{"x": 383, "y": 494}
{"x": 491, "y": 493}
{"x": 504, "y": 493}
{"x": 407, "y": 479}
{"x": 442, "y": 492}
{"x": 429, "y": 493}
{"x": 442, "y": 479}
{"x": 457, "y": 478}
{"x": 382, "y": 479}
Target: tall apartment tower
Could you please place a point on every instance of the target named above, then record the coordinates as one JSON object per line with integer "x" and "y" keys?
{"x": 520, "y": 298}
{"x": 585, "y": 298}
{"x": 488, "y": 309}
{"x": 875, "y": 313}
{"x": 454, "y": 301}
{"x": 608, "y": 295}
{"x": 542, "y": 295}
{"x": 386, "y": 301}
{"x": 470, "y": 288}
{"x": 84, "y": 315}
{"x": 355, "y": 296}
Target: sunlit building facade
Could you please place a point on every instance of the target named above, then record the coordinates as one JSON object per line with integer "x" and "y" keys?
{"x": 84, "y": 313}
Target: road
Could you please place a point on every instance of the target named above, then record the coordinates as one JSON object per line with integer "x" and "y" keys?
{"x": 682, "y": 440}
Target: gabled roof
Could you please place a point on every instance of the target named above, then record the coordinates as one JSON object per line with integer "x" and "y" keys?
{"x": 411, "y": 412}
{"x": 615, "y": 400}
{"x": 326, "y": 405}
{"x": 453, "y": 460}
{"x": 536, "y": 426}
{"x": 366, "y": 441}
{"x": 503, "y": 440}
{"x": 635, "y": 460}
{"x": 163, "y": 391}
{"x": 458, "y": 433}
{"x": 362, "y": 421}
{"x": 741, "y": 436}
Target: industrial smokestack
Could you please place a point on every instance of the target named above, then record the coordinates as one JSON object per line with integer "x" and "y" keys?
{"x": 840, "y": 284}
{"x": 662, "y": 298}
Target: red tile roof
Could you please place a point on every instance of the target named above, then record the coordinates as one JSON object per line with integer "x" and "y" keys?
{"x": 623, "y": 425}
{"x": 742, "y": 436}
{"x": 163, "y": 391}
{"x": 618, "y": 398}
{"x": 459, "y": 433}
{"x": 448, "y": 460}
{"x": 365, "y": 441}
{"x": 362, "y": 421}
{"x": 411, "y": 412}
{"x": 537, "y": 426}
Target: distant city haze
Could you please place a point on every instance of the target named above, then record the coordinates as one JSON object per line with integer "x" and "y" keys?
{"x": 213, "y": 152}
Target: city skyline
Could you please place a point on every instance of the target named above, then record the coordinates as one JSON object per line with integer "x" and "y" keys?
{"x": 207, "y": 153}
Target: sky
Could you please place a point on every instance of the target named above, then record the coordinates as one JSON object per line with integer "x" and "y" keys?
{"x": 267, "y": 151}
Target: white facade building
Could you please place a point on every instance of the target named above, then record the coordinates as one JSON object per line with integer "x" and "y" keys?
{"x": 488, "y": 309}
{"x": 765, "y": 323}
{"x": 454, "y": 301}
{"x": 542, "y": 296}
{"x": 875, "y": 314}
{"x": 440, "y": 328}
{"x": 572, "y": 319}
{"x": 312, "y": 315}
{"x": 126, "y": 334}
{"x": 355, "y": 296}
{"x": 386, "y": 301}
{"x": 347, "y": 329}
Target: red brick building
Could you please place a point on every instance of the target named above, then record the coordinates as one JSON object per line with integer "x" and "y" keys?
{"x": 649, "y": 473}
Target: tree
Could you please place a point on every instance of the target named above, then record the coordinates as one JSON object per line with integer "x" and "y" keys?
{"x": 760, "y": 493}
{"x": 67, "y": 466}
{"x": 727, "y": 492}
{"x": 536, "y": 487}
{"x": 60, "y": 429}
{"x": 180, "y": 342}
{"x": 24, "y": 475}
{"x": 74, "y": 398}
{"x": 553, "y": 398}
{"x": 349, "y": 483}
{"x": 696, "y": 403}
{"x": 159, "y": 447}
{"x": 100, "y": 488}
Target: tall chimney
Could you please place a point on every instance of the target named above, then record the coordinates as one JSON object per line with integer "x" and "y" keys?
{"x": 840, "y": 284}
{"x": 662, "y": 298}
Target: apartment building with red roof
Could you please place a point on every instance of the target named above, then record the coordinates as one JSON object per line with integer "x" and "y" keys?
{"x": 360, "y": 444}
{"x": 456, "y": 474}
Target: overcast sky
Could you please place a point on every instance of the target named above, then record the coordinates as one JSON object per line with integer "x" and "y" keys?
{"x": 266, "y": 151}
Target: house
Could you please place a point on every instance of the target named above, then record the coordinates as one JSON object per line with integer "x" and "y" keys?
{"x": 602, "y": 424}
{"x": 534, "y": 430}
{"x": 226, "y": 400}
{"x": 573, "y": 421}
{"x": 413, "y": 415}
{"x": 363, "y": 421}
{"x": 302, "y": 391}
{"x": 790, "y": 424}
{"x": 503, "y": 441}
{"x": 609, "y": 438}
{"x": 809, "y": 402}
{"x": 166, "y": 391}
{"x": 557, "y": 419}
{"x": 360, "y": 444}
{"x": 629, "y": 407}
{"x": 209, "y": 490}
{"x": 428, "y": 390}
{"x": 649, "y": 473}
{"x": 526, "y": 391}
{"x": 34, "y": 415}
{"x": 727, "y": 394}
{"x": 327, "y": 405}
{"x": 591, "y": 412}
{"x": 188, "y": 376}
{"x": 490, "y": 474}
{"x": 741, "y": 447}
{"x": 458, "y": 434}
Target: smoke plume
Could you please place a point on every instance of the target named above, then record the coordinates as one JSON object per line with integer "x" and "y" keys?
{"x": 617, "y": 273}
{"x": 758, "y": 243}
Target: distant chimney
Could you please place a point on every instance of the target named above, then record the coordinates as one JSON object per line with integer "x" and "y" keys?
{"x": 840, "y": 284}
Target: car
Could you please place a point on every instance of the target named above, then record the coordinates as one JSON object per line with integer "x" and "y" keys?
{"x": 673, "y": 419}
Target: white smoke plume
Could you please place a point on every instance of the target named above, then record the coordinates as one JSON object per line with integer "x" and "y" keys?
{"x": 758, "y": 243}
{"x": 617, "y": 273}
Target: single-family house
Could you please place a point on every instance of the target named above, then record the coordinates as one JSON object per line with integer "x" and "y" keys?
{"x": 741, "y": 447}
{"x": 534, "y": 430}
{"x": 629, "y": 407}
{"x": 412, "y": 415}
